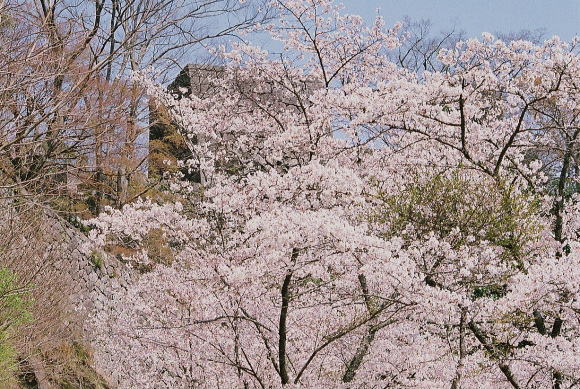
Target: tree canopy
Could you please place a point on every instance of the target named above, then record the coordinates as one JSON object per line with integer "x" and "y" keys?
{"x": 360, "y": 223}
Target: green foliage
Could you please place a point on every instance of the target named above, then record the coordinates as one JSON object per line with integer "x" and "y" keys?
{"x": 571, "y": 186}
{"x": 14, "y": 311}
{"x": 455, "y": 208}
{"x": 76, "y": 222}
{"x": 97, "y": 260}
{"x": 490, "y": 291}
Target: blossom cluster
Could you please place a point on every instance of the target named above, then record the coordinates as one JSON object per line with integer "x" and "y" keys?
{"x": 360, "y": 225}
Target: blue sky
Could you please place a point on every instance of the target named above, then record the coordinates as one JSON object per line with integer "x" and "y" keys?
{"x": 558, "y": 17}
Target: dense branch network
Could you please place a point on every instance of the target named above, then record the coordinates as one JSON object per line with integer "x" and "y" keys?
{"x": 361, "y": 224}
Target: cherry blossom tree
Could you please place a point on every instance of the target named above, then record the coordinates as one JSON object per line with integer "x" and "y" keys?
{"x": 360, "y": 225}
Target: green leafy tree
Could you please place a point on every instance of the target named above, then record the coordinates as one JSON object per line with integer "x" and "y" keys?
{"x": 14, "y": 311}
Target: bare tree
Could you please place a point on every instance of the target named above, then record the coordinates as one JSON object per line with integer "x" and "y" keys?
{"x": 70, "y": 114}
{"x": 143, "y": 34}
{"x": 420, "y": 47}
